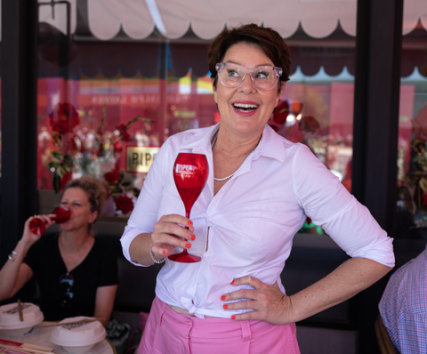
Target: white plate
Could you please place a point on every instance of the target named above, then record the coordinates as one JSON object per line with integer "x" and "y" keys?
{"x": 78, "y": 334}
{"x": 9, "y": 317}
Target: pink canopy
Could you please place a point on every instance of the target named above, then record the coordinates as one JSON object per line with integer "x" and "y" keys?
{"x": 173, "y": 18}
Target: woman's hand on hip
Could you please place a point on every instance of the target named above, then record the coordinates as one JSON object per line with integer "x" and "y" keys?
{"x": 266, "y": 302}
{"x": 171, "y": 231}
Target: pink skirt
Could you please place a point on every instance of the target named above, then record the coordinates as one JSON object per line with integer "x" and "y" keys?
{"x": 169, "y": 332}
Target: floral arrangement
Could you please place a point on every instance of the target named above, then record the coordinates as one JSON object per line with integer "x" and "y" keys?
{"x": 72, "y": 154}
{"x": 62, "y": 123}
{"x": 280, "y": 122}
{"x": 412, "y": 190}
{"x": 306, "y": 125}
{"x": 119, "y": 186}
{"x": 412, "y": 176}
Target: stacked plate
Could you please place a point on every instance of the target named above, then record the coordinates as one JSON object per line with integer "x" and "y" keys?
{"x": 78, "y": 334}
{"x": 18, "y": 319}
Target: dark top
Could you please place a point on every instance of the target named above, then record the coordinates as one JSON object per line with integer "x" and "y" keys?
{"x": 70, "y": 294}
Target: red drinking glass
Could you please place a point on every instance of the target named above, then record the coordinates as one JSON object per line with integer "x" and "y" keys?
{"x": 190, "y": 173}
{"x": 38, "y": 226}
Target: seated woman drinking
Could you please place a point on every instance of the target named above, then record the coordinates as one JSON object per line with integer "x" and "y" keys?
{"x": 76, "y": 272}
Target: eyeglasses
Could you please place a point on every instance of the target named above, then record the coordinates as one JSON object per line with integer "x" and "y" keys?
{"x": 264, "y": 77}
{"x": 66, "y": 282}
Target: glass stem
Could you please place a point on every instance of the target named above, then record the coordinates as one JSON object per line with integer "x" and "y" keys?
{"x": 187, "y": 215}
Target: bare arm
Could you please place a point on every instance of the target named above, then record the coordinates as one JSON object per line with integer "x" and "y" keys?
{"x": 350, "y": 278}
{"x": 270, "y": 304}
{"x": 14, "y": 274}
{"x": 139, "y": 250}
{"x": 104, "y": 303}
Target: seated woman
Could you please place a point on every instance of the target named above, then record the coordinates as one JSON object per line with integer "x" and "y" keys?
{"x": 76, "y": 272}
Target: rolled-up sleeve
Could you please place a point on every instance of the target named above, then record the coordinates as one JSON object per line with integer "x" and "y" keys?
{"x": 349, "y": 223}
{"x": 359, "y": 235}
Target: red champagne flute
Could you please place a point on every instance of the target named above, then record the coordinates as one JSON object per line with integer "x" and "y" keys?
{"x": 38, "y": 226}
{"x": 190, "y": 173}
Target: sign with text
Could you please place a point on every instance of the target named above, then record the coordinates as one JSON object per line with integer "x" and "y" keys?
{"x": 140, "y": 158}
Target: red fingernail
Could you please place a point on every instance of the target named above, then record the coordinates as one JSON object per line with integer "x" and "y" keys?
{"x": 223, "y": 297}
{"x": 233, "y": 317}
{"x": 187, "y": 245}
{"x": 225, "y": 306}
{"x": 192, "y": 237}
{"x": 232, "y": 282}
{"x": 189, "y": 223}
{"x": 164, "y": 251}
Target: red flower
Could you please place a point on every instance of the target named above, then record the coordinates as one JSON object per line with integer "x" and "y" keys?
{"x": 308, "y": 124}
{"x": 124, "y": 204}
{"x": 65, "y": 178}
{"x": 275, "y": 128}
{"x": 281, "y": 112}
{"x": 117, "y": 146}
{"x": 112, "y": 176}
{"x": 123, "y": 130}
{"x": 64, "y": 119}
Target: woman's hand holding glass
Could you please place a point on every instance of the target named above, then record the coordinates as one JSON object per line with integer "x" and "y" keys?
{"x": 171, "y": 231}
{"x": 60, "y": 215}
{"x": 31, "y": 237}
{"x": 265, "y": 302}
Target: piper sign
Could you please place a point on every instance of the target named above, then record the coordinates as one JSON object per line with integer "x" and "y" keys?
{"x": 140, "y": 158}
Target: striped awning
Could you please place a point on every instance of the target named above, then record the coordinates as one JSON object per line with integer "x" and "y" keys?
{"x": 206, "y": 18}
{"x": 107, "y": 33}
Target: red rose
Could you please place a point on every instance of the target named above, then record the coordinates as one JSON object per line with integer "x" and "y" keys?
{"x": 112, "y": 176}
{"x": 64, "y": 119}
{"x": 276, "y": 129}
{"x": 65, "y": 178}
{"x": 124, "y": 204}
{"x": 117, "y": 146}
{"x": 123, "y": 130}
{"x": 281, "y": 112}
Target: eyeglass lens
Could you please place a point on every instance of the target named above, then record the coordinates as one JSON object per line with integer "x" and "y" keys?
{"x": 232, "y": 75}
{"x": 66, "y": 281}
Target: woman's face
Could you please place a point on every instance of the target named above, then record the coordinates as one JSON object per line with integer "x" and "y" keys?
{"x": 77, "y": 201}
{"x": 246, "y": 109}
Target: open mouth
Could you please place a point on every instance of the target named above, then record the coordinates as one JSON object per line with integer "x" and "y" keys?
{"x": 245, "y": 107}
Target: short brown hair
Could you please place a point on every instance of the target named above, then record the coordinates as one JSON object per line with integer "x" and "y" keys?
{"x": 95, "y": 188}
{"x": 270, "y": 42}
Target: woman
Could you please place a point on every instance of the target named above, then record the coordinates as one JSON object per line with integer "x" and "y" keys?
{"x": 260, "y": 190}
{"x": 76, "y": 272}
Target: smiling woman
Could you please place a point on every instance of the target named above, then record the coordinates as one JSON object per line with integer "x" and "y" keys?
{"x": 260, "y": 189}
{"x": 245, "y": 104}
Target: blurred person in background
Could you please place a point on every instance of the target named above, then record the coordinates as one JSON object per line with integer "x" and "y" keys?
{"x": 76, "y": 272}
{"x": 403, "y": 306}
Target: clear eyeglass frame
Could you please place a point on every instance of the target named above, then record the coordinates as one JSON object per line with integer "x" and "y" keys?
{"x": 264, "y": 77}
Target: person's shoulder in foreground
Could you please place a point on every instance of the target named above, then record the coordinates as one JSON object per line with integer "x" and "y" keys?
{"x": 403, "y": 306}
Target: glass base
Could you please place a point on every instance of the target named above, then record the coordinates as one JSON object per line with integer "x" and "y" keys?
{"x": 184, "y": 257}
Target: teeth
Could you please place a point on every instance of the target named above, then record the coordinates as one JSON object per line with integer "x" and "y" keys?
{"x": 244, "y": 106}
